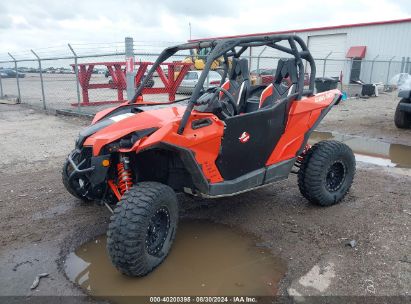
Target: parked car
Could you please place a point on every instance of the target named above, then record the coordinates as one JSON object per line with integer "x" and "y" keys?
{"x": 66, "y": 71}
{"x": 10, "y": 73}
{"x": 33, "y": 70}
{"x": 50, "y": 70}
{"x": 37, "y": 70}
{"x": 22, "y": 70}
{"x": 191, "y": 78}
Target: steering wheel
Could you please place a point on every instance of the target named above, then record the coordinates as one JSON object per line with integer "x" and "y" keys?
{"x": 231, "y": 101}
{"x": 210, "y": 98}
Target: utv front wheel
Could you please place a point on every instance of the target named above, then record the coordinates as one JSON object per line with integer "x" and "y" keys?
{"x": 326, "y": 173}
{"x": 143, "y": 228}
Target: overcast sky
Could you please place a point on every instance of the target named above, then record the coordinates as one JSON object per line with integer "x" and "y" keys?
{"x": 26, "y": 24}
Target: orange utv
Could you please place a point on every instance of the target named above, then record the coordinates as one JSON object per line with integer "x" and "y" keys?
{"x": 222, "y": 141}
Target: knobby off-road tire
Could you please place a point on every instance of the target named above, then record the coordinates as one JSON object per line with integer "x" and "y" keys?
{"x": 326, "y": 173}
{"x": 402, "y": 119}
{"x": 65, "y": 172}
{"x": 142, "y": 228}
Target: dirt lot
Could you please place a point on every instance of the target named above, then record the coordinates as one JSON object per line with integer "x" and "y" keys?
{"x": 372, "y": 117}
{"x": 41, "y": 222}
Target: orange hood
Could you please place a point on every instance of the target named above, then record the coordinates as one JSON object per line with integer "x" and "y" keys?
{"x": 124, "y": 124}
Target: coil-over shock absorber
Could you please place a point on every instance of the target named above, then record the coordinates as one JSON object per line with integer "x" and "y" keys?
{"x": 125, "y": 179}
{"x": 300, "y": 157}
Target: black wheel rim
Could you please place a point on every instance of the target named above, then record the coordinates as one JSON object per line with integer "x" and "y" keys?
{"x": 335, "y": 176}
{"x": 157, "y": 231}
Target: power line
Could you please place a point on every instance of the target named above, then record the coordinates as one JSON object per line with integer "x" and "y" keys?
{"x": 94, "y": 43}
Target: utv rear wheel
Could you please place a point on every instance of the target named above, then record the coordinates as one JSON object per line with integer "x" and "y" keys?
{"x": 142, "y": 228}
{"x": 402, "y": 119}
{"x": 326, "y": 173}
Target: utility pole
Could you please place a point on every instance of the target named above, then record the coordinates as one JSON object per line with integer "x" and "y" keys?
{"x": 189, "y": 26}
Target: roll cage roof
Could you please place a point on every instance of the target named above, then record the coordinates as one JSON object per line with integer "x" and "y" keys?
{"x": 235, "y": 47}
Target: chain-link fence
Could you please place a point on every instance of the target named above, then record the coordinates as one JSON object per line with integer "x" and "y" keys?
{"x": 46, "y": 78}
{"x": 380, "y": 69}
{"x": 78, "y": 75}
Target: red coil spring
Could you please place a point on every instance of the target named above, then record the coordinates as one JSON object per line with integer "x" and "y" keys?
{"x": 125, "y": 180}
{"x": 300, "y": 157}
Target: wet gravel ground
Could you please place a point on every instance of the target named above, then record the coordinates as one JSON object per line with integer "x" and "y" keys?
{"x": 369, "y": 117}
{"x": 41, "y": 222}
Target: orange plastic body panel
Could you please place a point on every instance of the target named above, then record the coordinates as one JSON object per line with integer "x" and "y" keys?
{"x": 267, "y": 92}
{"x": 204, "y": 142}
{"x": 149, "y": 119}
{"x": 303, "y": 115}
{"x": 226, "y": 85}
{"x": 102, "y": 113}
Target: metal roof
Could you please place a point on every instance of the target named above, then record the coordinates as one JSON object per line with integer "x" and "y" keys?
{"x": 312, "y": 29}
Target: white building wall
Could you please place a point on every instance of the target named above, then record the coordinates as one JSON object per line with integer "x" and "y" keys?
{"x": 384, "y": 40}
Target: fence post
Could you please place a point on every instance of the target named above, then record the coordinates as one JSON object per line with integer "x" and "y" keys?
{"x": 1, "y": 89}
{"x": 76, "y": 72}
{"x": 325, "y": 62}
{"x": 372, "y": 67}
{"x": 17, "y": 76}
{"x": 388, "y": 71}
{"x": 129, "y": 45}
{"x": 41, "y": 80}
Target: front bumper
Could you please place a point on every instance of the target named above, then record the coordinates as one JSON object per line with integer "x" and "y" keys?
{"x": 77, "y": 171}
{"x": 89, "y": 170}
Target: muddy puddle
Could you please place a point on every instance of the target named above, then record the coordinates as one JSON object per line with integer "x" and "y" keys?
{"x": 206, "y": 259}
{"x": 370, "y": 150}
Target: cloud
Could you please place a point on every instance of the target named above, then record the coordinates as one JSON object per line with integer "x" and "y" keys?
{"x": 200, "y": 9}
{"x": 27, "y": 24}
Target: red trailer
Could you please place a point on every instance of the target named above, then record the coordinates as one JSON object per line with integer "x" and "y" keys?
{"x": 118, "y": 75}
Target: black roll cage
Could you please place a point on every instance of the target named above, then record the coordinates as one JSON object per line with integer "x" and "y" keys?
{"x": 227, "y": 48}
